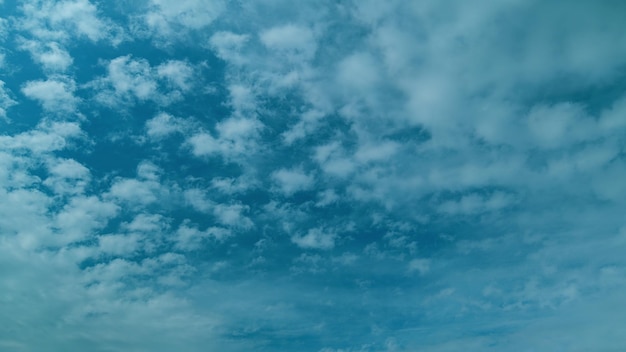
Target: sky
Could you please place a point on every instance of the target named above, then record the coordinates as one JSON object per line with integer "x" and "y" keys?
{"x": 324, "y": 176}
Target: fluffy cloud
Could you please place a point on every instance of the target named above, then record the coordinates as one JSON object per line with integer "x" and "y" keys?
{"x": 81, "y": 217}
{"x": 228, "y": 46}
{"x": 388, "y": 167}
{"x": 190, "y": 238}
{"x": 67, "y": 176}
{"x": 60, "y": 20}
{"x": 142, "y": 191}
{"x": 47, "y": 137}
{"x": 55, "y": 94}
{"x": 51, "y": 56}
{"x": 129, "y": 80}
{"x": 230, "y": 215}
{"x": 164, "y": 125}
{"x": 295, "y": 42}
{"x": 237, "y": 138}
{"x": 475, "y": 203}
{"x": 315, "y": 239}
{"x": 5, "y": 101}
{"x": 167, "y": 20}
{"x": 292, "y": 181}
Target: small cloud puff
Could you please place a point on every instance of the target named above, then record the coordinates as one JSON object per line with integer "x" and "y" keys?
{"x": 475, "y": 203}
{"x": 189, "y": 238}
{"x": 164, "y": 125}
{"x": 169, "y": 19}
{"x": 51, "y": 56}
{"x": 46, "y": 138}
{"x": 67, "y": 176}
{"x": 290, "y": 181}
{"x": 230, "y": 215}
{"x": 5, "y": 99}
{"x": 129, "y": 80}
{"x": 62, "y": 20}
{"x": 237, "y": 138}
{"x": 55, "y": 94}
{"x": 421, "y": 266}
{"x": 295, "y": 42}
{"x": 315, "y": 239}
{"x": 228, "y": 46}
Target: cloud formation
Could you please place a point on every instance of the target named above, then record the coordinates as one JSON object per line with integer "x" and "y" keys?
{"x": 333, "y": 176}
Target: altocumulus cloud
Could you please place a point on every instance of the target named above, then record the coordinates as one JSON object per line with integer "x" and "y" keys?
{"x": 335, "y": 176}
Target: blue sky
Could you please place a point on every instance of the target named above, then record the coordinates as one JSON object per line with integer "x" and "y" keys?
{"x": 326, "y": 176}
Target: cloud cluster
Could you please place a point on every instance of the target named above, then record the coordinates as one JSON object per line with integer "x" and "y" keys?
{"x": 235, "y": 176}
{"x": 130, "y": 80}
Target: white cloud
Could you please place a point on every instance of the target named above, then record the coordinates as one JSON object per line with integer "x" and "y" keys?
{"x": 611, "y": 119}
{"x": 5, "y": 99}
{"x": 197, "y": 198}
{"x": 237, "y": 137}
{"x": 67, "y": 176}
{"x": 176, "y": 72}
{"x": 136, "y": 192}
{"x": 3, "y": 28}
{"x": 25, "y": 216}
{"x": 294, "y": 41}
{"x": 290, "y": 181}
{"x": 242, "y": 98}
{"x": 405, "y": 115}
{"x": 164, "y": 125}
{"x": 609, "y": 184}
{"x": 144, "y": 190}
{"x": 476, "y": 203}
{"x": 231, "y": 186}
{"x": 189, "y": 238}
{"x": 203, "y": 144}
{"x": 334, "y": 160}
{"x": 82, "y": 216}
{"x": 421, "y": 266}
{"x": 560, "y": 125}
{"x": 55, "y": 94}
{"x": 309, "y": 122}
{"x": 51, "y": 56}
{"x": 315, "y": 239}
{"x": 60, "y": 20}
{"x": 47, "y": 137}
{"x": 119, "y": 245}
{"x": 129, "y": 80}
{"x": 146, "y": 223}
{"x": 358, "y": 72}
{"x": 230, "y": 215}
{"x": 167, "y": 19}
{"x": 381, "y": 151}
{"x": 228, "y": 46}
{"x": 327, "y": 197}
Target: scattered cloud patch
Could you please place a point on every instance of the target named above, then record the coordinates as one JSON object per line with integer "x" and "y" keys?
{"x": 236, "y": 138}
{"x": 315, "y": 239}
{"x": 55, "y": 95}
{"x": 169, "y": 159}
{"x": 51, "y": 56}
{"x": 5, "y": 101}
{"x": 130, "y": 80}
{"x": 166, "y": 19}
{"x": 290, "y": 181}
{"x": 164, "y": 125}
{"x": 62, "y": 20}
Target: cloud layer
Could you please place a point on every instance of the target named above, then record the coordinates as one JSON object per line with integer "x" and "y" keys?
{"x": 330, "y": 177}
